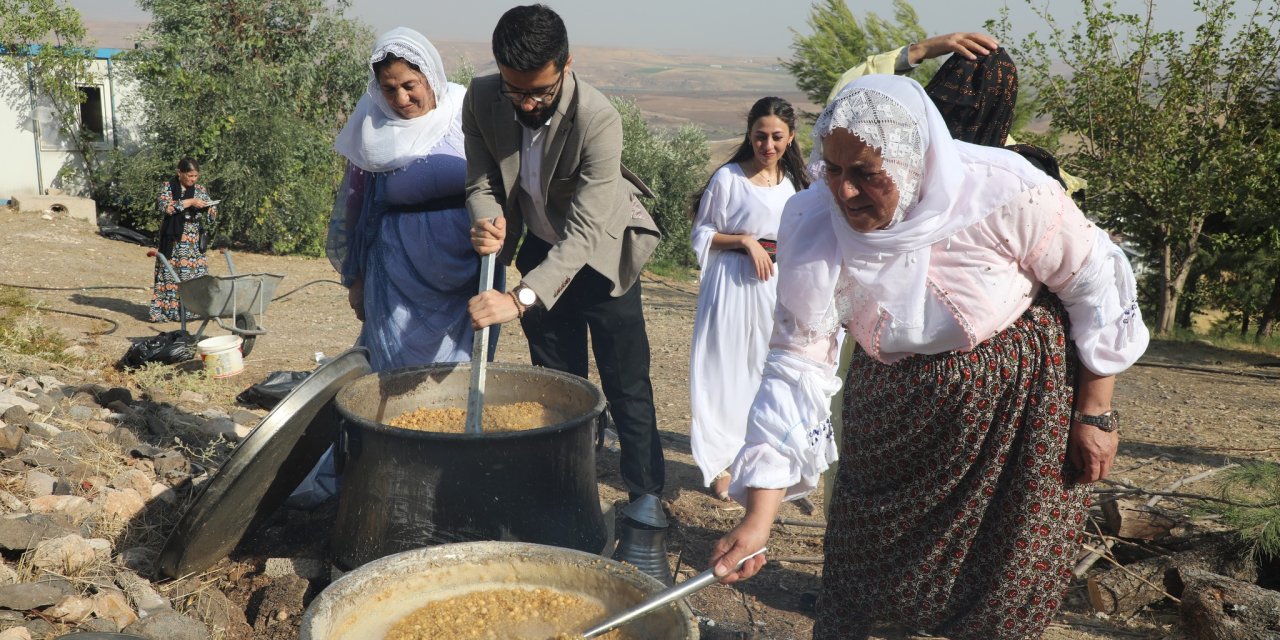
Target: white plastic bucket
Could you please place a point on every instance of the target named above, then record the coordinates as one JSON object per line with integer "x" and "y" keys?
{"x": 221, "y": 355}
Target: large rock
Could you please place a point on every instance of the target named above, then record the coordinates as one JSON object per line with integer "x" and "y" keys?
{"x": 24, "y": 531}
{"x": 34, "y": 595}
{"x": 67, "y": 555}
{"x": 71, "y": 609}
{"x": 13, "y": 439}
{"x": 9, "y": 399}
{"x": 75, "y": 507}
{"x": 169, "y": 626}
{"x": 113, "y": 606}
{"x": 15, "y": 633}
{"x": 9, "y": 502}
{"x": 39, "y": 483}
{"x": 145, "y": 599}
{"x": 120, "y": 504}
{"x": 7, "y": 574}
{"x": 43, "y": 430}
{"x": 135, "y": 479}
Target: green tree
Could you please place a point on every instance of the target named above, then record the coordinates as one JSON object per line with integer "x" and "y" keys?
{"x": 1168, "y": 127}
{"x": 839, "y": 42}
{"x": 256, "y": 91}
{"x": 674, "y": 165}
{"x": 44, "y": 45}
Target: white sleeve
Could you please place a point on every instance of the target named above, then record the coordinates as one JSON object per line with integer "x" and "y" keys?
{"x": 712, "y": 214}
{"x": 789, "y": 440}
{"x": 1102, "y": 301}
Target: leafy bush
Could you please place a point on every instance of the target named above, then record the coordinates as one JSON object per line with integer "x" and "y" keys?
{"x": 256, "y": 92}
{"x": 674, "y": 165}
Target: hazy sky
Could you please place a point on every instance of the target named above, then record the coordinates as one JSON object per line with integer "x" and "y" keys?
{"x": 753, "y": 27}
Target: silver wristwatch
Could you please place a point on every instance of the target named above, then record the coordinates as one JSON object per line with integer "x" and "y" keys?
{"x": 525, "y": 295}
{"x": 1108, "y": 421}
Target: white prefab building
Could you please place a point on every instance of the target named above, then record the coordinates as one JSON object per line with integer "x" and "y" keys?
{"x": 33, "y": 153}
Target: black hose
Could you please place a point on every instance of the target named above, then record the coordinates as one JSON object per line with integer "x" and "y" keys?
{"x": 304, "y": 286}
{"x": 105, "y": 286}
{"x": 114, "y": 325}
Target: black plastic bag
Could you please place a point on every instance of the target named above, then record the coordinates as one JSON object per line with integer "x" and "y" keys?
{"x": 124, "y": 234}
{"x": 170, "y": 347}
{"x": 268, "y": 393}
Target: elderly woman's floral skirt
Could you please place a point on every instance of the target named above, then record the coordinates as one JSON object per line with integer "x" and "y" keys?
{"x": 189, "y": 263}
{"x": 953, "y": 512}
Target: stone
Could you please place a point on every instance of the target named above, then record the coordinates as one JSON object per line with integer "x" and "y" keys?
{"x": 115, "y": 394}
{"x": 99, "y": 427}
{"x": 34, "y": 595}
{"x": 15, "y": 415}
{"x": 9, "y": 400}
{"x": 219, "y": 427}
{"x": 12, "y": 439}
{"x": 71, "y": 609}
{"x": 20, "y": 532}
{"x": 120, "y": 504}
{"x": 245, "y": 417}
{"x": 38, "y": 483}
{"x": 101, "y": 549}
{"x": 15, "y": 633}
{"x": 50, "y": 383}
{"x": 84, "y": 398}
{"x": 164, "y": 493}
{"x": 214, "y": 413}
{"x": 75, "y": 507}
{"x": 98, "y": 625}
{"x": 8, "y": 617}
{"x": 135, "y": 479}
{"x": 81, "y": 413}
{"x": 75, "y": 442}
{"x": 45, "y": 402}
{"x": 40, "y": 628}
{"x": 14, "y": 465}
{"x": 139, "y": 559}
{"x": 68, "y": 555}
{"x": 7, "y": 574}
{"x": 306, "y": 568}
{"x": 145, "y": 599}
{"x": 113, "y": 606}
{"x": 191, "y": 397}
{"x": 223, "y": 617}
{"x": 9, "y": 502}
{"x": 243, "y": 431}
{"x": 43, "y": 430}
{"x": 28, "y": 384}
{"x": 169, "y": 625}
{"x": 171, "y": 464}
{"x": 123, "y": 437}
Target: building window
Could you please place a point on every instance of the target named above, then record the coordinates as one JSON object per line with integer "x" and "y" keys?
{"x": 92, "y": 122}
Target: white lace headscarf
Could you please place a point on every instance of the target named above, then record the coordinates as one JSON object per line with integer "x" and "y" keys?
{"x": 376, "y": 138}
{"x": 943, "y": 187}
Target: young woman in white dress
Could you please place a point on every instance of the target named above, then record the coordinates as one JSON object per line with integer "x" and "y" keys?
{"x": 734, "y": 236}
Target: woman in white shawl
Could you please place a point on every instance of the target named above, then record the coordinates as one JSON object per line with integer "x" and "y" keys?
{"x": 976, "y": 408}
{"x": 399, "y": 234}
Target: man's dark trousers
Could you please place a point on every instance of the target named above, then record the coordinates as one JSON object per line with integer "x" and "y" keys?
{"x": 558, "y": 340}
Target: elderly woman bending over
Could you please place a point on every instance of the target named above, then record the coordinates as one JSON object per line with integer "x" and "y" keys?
{"x": 976, "y": 405}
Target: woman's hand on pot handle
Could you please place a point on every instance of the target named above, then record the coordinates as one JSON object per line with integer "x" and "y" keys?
{"x": 748, "y": 537}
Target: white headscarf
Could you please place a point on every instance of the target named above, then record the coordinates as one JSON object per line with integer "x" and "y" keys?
{"x": 943, "y": 186}
{"x": 376, "y": 138}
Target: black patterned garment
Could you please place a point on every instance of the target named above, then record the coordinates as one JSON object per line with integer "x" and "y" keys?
{"x": 976, "y": 97}
{"x": 954, "y": 514}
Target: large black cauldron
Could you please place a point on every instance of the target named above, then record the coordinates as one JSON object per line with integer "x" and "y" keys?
{"x": 404, "y": 489}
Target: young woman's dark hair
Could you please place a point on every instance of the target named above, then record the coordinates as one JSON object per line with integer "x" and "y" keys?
{"x": 530, "y": 36}
{"x": 791, "y": 161}
{"x": 388, "y": 59}
{"x": 187, "y": 164}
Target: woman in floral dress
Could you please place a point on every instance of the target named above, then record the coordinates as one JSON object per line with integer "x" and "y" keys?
{"x": 187, "y": 213}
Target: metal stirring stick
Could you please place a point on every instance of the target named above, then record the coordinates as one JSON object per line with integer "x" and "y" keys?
{"x": 479, "y": 353}
{"x": 682, "y": 590}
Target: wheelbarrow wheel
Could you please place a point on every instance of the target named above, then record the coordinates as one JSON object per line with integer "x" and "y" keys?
{"x": 247, "y": 321}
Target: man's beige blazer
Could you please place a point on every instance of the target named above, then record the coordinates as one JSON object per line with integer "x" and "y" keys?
{"x": 591, "y": 199}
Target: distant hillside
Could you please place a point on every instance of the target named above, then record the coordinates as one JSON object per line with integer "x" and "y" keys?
{"x": 671, "y": 89}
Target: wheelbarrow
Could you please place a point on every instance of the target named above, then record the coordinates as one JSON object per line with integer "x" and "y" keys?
{"x": 242, "y": 297}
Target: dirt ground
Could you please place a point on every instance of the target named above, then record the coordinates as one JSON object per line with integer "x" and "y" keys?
{"x": 1187, "y": 407}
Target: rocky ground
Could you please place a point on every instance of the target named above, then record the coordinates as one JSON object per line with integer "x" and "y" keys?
{"x": 96, "y": 465}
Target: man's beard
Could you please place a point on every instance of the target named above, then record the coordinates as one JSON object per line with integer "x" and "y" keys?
{"x": 536, "y": 118}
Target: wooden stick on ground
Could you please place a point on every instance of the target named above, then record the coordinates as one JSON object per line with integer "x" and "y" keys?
{"x": 1088, "y": 561}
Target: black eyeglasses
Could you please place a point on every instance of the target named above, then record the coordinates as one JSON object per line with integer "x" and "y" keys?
{"x": 540, "y": 96}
